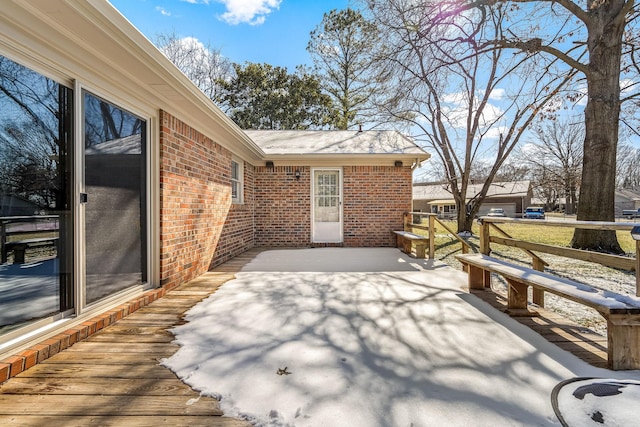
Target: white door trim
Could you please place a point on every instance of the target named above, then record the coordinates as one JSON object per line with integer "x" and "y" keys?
{"x": 326, "y": 232}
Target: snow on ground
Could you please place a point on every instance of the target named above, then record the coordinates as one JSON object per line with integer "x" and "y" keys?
{"x": 367, "y": 337}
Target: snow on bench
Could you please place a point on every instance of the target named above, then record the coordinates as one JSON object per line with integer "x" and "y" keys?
{"x": 405, "y": 239}
{"x": 622, "y": 312}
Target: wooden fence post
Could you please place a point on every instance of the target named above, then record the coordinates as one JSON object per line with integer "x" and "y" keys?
{"x": 432, "y": 236}
{"x": 485, "y": 248}
{"x": 3, "y": 241}
{"x": 638, "y": 268}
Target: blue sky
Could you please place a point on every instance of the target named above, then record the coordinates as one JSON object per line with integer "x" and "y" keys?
{"x": 271, "y": 31}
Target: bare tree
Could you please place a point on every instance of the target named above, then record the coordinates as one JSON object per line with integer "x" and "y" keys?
{"x": 598, "y": 40}
{"x": 555, "y": 159}
{"x": 204, "y": 65}
{"x": 31, "y": 138}
{"x": 471, "y": 105}
{"x": 628, "y": 175}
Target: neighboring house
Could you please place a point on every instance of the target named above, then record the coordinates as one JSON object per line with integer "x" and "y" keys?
{"x": 513, "y": 197}
{"x": 626, "y": 199}
{"x": 155, "y": 185}
{"x": 559, "y": 205}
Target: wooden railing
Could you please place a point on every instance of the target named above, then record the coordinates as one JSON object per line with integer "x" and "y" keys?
{"x": 487, "y": 224}
{"x": 430, "y": 228}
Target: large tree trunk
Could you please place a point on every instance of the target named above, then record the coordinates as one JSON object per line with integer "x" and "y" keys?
{"x": 597, "y": 191}
{"x": 465, "y": 221}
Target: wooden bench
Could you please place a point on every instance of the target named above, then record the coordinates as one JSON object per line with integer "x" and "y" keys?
{"x": 19, "y": 247}
{"x": 622, "y": 312}
{"x": 405, "y": 239}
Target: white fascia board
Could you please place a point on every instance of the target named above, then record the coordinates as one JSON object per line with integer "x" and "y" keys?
{"x": 344, "y": 159}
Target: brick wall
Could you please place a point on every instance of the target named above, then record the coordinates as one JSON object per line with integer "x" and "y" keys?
{"x": 237, "y": 233}
{"x": 195, "y": 204}
{"x": 283, "y": 206}
{"x": 375, "y": 198}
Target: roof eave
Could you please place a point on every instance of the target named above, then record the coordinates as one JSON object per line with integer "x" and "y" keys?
{"x": 344, "y": 159}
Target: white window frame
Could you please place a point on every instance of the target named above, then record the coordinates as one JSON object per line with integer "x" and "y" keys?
{"x": 237, "y": 181}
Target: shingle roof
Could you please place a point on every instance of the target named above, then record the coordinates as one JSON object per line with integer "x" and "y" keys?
{"x": 628, "y": 194}
{"x": 319, "y": 142}
{"x": 442, "y": 191}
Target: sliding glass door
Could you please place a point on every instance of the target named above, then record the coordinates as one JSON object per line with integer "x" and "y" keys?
{"x": 114, "y": 198}
{"x": 35, "y": 198}
{"x": 73, "y": 208}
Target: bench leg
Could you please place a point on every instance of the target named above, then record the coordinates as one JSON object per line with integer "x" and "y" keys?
{"x": 476, "y": 276}
{"x": 421, "y": 250}
{"x": 623, "y": 337}
{"x": 487, "y": 279}
{"x": 516, "y": 295}
{"x": 404, "y": 244}
{"x": 18, "y": 254}
{"x": 538, "y": 297}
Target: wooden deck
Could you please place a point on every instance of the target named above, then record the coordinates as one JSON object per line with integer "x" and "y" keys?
{"x": 113, "y": 377}
{"x": 580, "y": 341}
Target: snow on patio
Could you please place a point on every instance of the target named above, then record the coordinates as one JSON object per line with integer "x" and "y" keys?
{"x": 368, "y": 337}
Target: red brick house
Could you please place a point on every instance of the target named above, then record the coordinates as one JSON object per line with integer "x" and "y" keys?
{"x": 142, "y": 183}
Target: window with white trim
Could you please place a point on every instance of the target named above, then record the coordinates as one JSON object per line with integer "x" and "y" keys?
{"x": 237, "y": 181}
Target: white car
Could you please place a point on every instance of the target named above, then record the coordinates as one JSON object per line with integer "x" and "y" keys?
{"x": 496, "y": 212}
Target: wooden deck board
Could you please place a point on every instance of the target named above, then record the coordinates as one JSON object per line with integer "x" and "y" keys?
{"x": 119, "y": 421}
{"x": 93, "y": 370}
{"x": 93, "y": 386}
{"x": 88, "y": 346}
{"x": 69, "y": 404}
{"x": 108, "y": 358}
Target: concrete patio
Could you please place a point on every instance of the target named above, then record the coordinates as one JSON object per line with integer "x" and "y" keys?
{"x": 371, "y": 337}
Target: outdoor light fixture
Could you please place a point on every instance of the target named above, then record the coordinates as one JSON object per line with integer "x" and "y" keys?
{"x": 635, "y": 233}
{"x": 398, "y": 163}
{"x": 269, "y": 164}
{"x": 297, "y": 173}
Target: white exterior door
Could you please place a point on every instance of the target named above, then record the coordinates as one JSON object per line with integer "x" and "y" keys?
{"x": 327, "y": 206}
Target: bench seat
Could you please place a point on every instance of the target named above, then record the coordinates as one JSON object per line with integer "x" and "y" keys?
{"x": 622, "y": 312}
{"x": 405, "y": 240}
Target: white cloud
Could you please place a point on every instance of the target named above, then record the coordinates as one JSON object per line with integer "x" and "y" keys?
{"x": 495, "y": 132}
{"x": 456, "y": 110}
{"x": 252, "y": 12}
{"x": 627, "y": 86}
{"x": 163, "y": 11}
{"x": 582, "y": 100}
{"x": 497, "y": 94}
